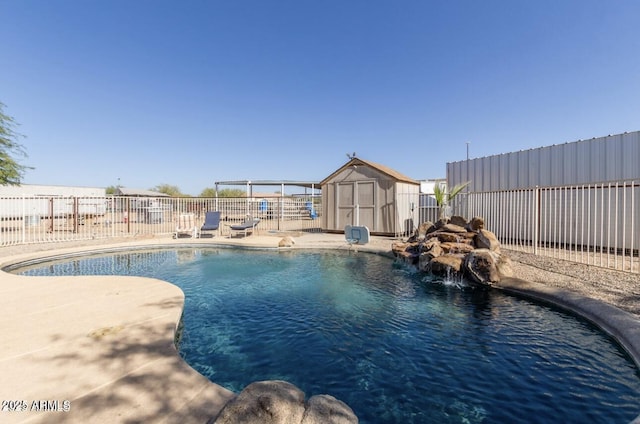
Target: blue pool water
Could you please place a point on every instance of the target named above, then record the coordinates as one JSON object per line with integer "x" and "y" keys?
{"x": 395, "y": 346}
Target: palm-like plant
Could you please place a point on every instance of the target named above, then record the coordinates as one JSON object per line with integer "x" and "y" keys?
{"x": 443, "y": 198}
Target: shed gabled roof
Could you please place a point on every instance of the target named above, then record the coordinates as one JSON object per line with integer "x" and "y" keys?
{"x": 381, "y": 168}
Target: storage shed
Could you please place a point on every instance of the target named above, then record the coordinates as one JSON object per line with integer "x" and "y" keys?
{"x": 366, "y": 193}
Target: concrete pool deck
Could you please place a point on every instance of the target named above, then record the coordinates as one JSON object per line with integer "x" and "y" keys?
{"x": 101, "y": 348}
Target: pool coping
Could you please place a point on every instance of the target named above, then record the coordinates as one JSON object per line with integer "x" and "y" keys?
{"x": 620, "y": 325}
{"x": 106, "y": 345}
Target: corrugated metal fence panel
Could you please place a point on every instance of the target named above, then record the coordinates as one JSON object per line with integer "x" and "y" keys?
{"x": 522, "y": 168}
{"x": 492, "y": 171}
{"x": 487, "y": 169}
{"x": 514, "y": 176}
{"x": 544, "y": 176}
{"x": 631, "y": 155}
{"x": 476, "y": 174}
{"x": 598, "y": 155}
{"x": 458, "y": 173}
{"x": 585, "y": 162}
{"x": 610, "y": 158}
{"x": 567, "y": 164}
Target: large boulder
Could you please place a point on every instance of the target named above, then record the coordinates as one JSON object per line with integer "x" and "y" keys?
{"x": 424, "y": 261}
{"x": 476, "y": 224}
{"x": 423, "y": 229}
{"x": 480, "y": 267}
{"x": 485, "y": 239}
{"x": 399, "y": 247}
{"x": 505, "y": 269}
{"x": 265, "y": 402}
{"x": 446, "y": 265}
{"x": 458, "y": 220}
{"x": 453, "y": 228}
{"x": 429, "y": 250}
{"x": 449, "y": 247}
{"x": 280, "y": 402}
{"x": 287, "y": 241}
{"x": 432, "y": 244}
{"x": 406, "y": 252}
{"x": 444, "y": 236}
{"x": 325, "y": 409}
{"x": 440, "y": 223}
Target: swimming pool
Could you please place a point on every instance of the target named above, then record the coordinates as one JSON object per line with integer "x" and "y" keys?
{"x": 395, "y": 346}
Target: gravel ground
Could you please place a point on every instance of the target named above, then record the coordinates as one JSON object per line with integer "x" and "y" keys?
{"x": 617, "y": 288}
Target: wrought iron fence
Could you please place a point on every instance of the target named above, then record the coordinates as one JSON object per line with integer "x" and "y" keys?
{"x": 25, "y": 220}
{"x": 594, "y": 224}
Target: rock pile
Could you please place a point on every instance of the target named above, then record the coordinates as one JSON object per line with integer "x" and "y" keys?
{"x": 280, "y": 402}
{"x": 458, "y": 248}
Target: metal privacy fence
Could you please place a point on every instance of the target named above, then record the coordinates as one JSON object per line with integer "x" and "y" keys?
{"x": 594, "y": 224}
{"x": 26, "y": 220}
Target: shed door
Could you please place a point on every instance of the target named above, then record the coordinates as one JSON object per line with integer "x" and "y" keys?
{"x": 355, "y": 204}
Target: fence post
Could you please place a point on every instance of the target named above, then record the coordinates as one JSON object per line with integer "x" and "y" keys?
{"x": 281, "y": 213}
{"x": 633, "y": 214}
{"x": 50, "y": 229}
{"x": 127, "y": 216}
{"x": 536, "y": 220}
{"x": 76, "y": 218}
{"x": 24, "y": 219}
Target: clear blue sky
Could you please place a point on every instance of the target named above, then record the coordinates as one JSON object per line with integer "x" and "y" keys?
{"x": 192, "y": 92}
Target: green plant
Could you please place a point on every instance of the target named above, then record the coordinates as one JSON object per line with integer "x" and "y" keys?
{"x": 444, "y": 197}
{"x": 11, "y": 172}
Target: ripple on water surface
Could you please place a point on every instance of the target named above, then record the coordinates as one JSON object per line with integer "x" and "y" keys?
{"x": 398, "y": 348}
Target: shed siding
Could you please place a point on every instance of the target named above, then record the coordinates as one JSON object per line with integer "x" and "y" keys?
{"x": 362, "y": 187}
{"x": 361, "y": 194}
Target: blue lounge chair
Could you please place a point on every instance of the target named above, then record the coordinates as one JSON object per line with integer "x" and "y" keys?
{"x": 245, "y": 227}
{"x": 211, "y": 221}
{"x": 312, "y": 211}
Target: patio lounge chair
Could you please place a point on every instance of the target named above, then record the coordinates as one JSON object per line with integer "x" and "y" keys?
{"x": 186, "y": 225}
{"x": 245, "y": 227}
{"x": 211, "y": 221}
